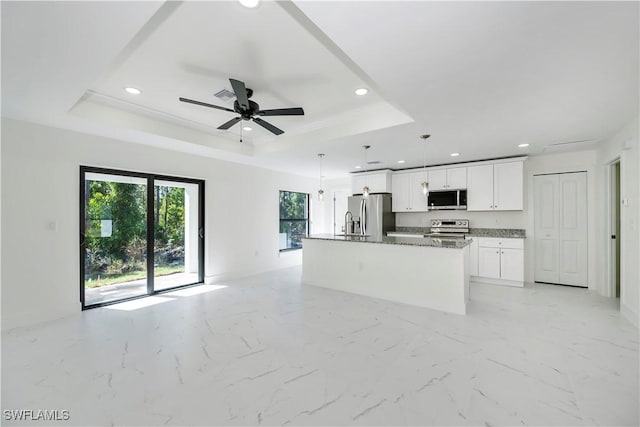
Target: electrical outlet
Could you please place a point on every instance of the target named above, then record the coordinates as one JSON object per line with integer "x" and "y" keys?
{"x": 52, "y": 226}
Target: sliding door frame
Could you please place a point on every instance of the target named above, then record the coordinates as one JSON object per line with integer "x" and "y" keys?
{"x": 151, "y": 179}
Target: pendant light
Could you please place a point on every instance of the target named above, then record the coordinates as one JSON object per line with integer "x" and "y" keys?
{"x": 365, "y": 189}
{"x": 321, "y": 191}
{"x": 425, "y": 183}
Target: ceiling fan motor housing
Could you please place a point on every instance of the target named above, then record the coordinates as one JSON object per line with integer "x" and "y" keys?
{"x": 246, "y": 114}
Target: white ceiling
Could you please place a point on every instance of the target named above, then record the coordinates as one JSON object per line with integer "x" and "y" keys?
{"x": 480, "y": 77}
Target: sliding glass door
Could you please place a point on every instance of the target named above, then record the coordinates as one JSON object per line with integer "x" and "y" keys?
{"x": 176, "y": 234}
{"x": 139, "y": 234}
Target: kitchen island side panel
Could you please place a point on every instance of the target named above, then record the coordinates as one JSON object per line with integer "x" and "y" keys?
{"x": 430, "y": 277}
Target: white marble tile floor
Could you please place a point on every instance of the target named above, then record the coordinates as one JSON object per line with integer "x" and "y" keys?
{"x": 265, "y": 350}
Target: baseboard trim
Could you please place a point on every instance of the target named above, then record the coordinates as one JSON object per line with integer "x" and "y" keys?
{"x": 629, "y": 314}
{"x": 501, "y": 282}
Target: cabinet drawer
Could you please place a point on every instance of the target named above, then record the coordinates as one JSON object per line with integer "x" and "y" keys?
{"x": 493, "y": 242}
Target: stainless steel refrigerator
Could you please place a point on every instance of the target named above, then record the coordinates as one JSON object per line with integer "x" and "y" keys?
{"x": 372, "y": 215}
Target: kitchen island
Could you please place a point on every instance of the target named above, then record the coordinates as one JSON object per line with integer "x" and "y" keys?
{"x": 431, "y": 273}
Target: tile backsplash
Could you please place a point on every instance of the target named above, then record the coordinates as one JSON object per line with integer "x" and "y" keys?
{"x": 500, "y": 219}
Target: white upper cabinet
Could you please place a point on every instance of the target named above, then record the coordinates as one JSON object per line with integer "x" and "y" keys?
{"x": 456, "y": 178}
{"x": 407, "y": 193}
{"x": 438, "y": 179}
{"x": 495, "y": 187}
{"x": 400, "y": 201}
{"x": 448, "y": 179}
{"x": 378, "y": 182}
{"x": 480, "y": 188}
{"x": 507, "y": 186}
{"x": 418, "y": 198}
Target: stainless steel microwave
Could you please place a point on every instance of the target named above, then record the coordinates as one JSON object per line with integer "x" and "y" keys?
{"x": 447, "y": 200}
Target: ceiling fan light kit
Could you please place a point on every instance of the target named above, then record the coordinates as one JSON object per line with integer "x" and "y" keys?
{"x": 248, "y": 110}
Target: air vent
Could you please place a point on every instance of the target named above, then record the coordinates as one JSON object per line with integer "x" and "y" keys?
{"x": 374, "y": 162}
{"x": 225, "y": 95}
{"x": 572, "y": 142}
{"x": 570, "y": 145}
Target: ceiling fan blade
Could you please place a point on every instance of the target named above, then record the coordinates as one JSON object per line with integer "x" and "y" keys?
{"x": 283, "y": 112}
{"x": 241, "y": 93}
{"x": 268, "y": 126}
{"x": 204, "y": 104}
{"x": 230, "y": 123}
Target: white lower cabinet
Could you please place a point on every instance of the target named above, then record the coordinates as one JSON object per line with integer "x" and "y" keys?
{"x": 489, "y": 262}
{"x": 501, "y": 260}
{"x": 473, "y": 256}
{"x": 512, "y": 264}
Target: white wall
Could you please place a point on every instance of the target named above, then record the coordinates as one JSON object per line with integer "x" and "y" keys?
{"x": 511, "y": 219}
{"x": 40, "y": 186}
{"x": 330, "y": 186}
{"x": 624, "y": 145}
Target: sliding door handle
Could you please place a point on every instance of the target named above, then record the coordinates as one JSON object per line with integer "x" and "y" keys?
{"x": 201, "y": 232}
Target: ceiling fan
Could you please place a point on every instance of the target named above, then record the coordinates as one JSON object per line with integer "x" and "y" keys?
{"x": 248, "y": 110}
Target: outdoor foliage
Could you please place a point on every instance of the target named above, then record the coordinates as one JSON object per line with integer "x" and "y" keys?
{"x": 116, "y": 231}
{"x": 294, "y": 216}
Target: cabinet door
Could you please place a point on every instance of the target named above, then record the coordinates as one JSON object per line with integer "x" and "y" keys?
{"x": 480, "y": 188}
{"x": 507, "y": 186}
{"x": 400, "y": 201}
{"x": 438, "y": 179}
{"x": 456, "y": 178}
{"x": 473, "y": 256}
{"x": 489, "y": 262}
{"x": 512, "y": 264}
{"x": 378, "y": 183}
{"x": 357, "y": 183}
{"x": 416, "y": 196}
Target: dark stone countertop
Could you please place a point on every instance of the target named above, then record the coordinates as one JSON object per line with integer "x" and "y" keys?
{"x": 390, "y": 240}
{"x": 504, "y": 233}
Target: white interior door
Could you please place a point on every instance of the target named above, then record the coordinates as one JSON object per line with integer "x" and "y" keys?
{"x": 546, "y": 228}
{"x": 573, "y": 229}
{"x": 560, "y": 221}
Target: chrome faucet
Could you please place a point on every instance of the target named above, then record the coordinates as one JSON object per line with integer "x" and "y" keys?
{"x": 348, "y": 219}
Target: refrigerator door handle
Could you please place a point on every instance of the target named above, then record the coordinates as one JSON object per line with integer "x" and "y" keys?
{"x": 363, "y": 216}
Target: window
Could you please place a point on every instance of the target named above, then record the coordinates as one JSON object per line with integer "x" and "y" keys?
{"x": 294, "y": 219}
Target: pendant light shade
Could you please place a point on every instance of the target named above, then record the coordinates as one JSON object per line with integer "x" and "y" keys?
{"x": 425, "y": 183}
{"x": 425, "y": 188}
{"x": 365, "y": 189}
{"x": 321, "y": 191}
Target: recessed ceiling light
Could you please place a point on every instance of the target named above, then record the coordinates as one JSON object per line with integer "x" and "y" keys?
{"x": 400, "y": 161}
{"x": 247, "y": 128}
{"x": 523, "y": 145}
{"x": 132, "y": 90}
{"x": 358, "y": 167}
{"x": 249, "y": 3}
{"x": 361, "y": 91}
{"x": 455, "y": 154}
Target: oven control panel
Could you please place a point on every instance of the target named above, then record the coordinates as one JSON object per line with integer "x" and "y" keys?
{"x": 450, "y": 223}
